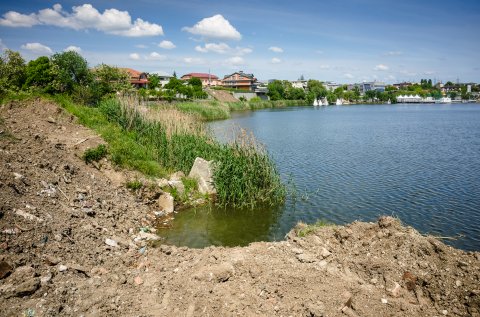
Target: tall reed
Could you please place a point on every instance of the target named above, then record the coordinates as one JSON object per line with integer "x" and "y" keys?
{"x": 244, "y": 174}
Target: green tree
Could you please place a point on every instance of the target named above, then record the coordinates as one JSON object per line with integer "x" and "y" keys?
{"x": 70, "y": 70}
{"x": 356, "y": 93}
{"x": 276, "y": 90}
{"x": 317, "y": 88}
{"x": 39, "y": 74}
{"x": 110, "y": 79}
{"x": 12, "y": 71}
{"x": 153, "y": 81}
{"x": 195, "y": 82}
{"x": 295, "y": 93}
{"x": 174, "y": 84}
{"x": 339, "y": 92}
{"x": 370, "y": 95}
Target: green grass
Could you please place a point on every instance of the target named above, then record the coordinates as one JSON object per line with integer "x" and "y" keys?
{"x": 134, "y": 184}
{"x": 215, "y": 110}
{"x": 124, "y": 149}
{"x": 304, "y": 229}
{"x": 206, "y": 110}
{"x": 95, "y": 154}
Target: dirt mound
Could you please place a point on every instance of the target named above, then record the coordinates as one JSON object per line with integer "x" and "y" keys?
{"x": 73, "y": 242}
{"x": 221, "y": 95}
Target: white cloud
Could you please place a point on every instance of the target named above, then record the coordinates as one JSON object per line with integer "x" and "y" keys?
{"x": 156, "y": 57}
{"x": 214, "y": 27}
{"x": 223, "y": 48}
{"x": 193, "y": 60}
{"x": 391, "y": 77}
{"x": 141, "y": 46}
{"x": 37, "y": 48}
{"x": 348, "y": 75}
{"x": 73, "y": 48}
{"x": 167, "y": 45}
{"x": 235, "y": 61}
{"x": 276, "y": 49}
{"x": 381, "y": 67}
{"x": 276, "y": 60}
{"x": 15, "y": 19}
{"x": 324, "y": 66}
{"x": 111, "y": 21}
{"x": 220, "y": 48}
{"x": 134, "y": 56}
{"x": 243, "y": 50}
{"x": 393, "y": 53}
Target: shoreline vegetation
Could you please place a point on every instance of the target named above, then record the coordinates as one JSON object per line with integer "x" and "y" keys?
{"x": 154, "y": 140}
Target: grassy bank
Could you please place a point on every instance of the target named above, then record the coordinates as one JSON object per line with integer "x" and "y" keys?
{"x": 215, "y": 110}
{"x": 165, "y": 140}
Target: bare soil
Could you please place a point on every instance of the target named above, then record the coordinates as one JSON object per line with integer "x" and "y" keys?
{"x": 71, "y": 245}
{"x": 222, "y": 95}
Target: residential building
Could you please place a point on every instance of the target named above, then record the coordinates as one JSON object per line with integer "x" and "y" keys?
{"x": 299, "y": 84}
{"x": 163, "y": 77}
{"x": 331, "y": 86}
{"x": 208, "y": 80}
{"x": 239, "y": 80}
{"x": 137, "y": 79}
{"x": 402, "y": 86}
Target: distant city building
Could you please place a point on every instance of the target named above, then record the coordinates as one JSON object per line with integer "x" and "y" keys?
{"x": 208, "y": 80}
{"x": 239, "y": 80}
{"x": 373, "y": 85}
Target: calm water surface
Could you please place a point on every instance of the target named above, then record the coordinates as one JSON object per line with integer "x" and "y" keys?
{"x": 418, "y": 162}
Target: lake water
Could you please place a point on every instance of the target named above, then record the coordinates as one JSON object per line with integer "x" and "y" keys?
{"x": 420, "y": 163}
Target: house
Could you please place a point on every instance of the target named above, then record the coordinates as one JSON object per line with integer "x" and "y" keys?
{"x": 163, "y": 77}
{"x": 239, "y": 80}
{"x": 299, "y": 84}
{"x": 402, "y": 86}
{"x": 208, "y": 80}
{"x": 137, "y": 78}
{"x": 331, "y": 86}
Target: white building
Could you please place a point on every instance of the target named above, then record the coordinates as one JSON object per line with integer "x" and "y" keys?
{"x": 409, "y": 99}
{"x": 299, "y": 84}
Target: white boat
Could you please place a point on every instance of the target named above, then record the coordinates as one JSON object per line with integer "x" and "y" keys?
{"x": 315, "y": 102}
{"x": 339, "y": 102}
{"x": 389, "y": 102}
{"x": 324, "y": 102}
{"x": 444, "y": 100}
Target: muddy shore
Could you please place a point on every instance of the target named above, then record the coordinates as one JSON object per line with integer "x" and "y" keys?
{"x": 71, "y": 244}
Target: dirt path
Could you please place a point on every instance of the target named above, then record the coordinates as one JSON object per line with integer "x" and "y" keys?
{"x": 71, "y": 245}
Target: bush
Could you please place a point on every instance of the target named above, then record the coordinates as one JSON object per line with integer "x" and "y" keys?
{"x": 95, "y": 154}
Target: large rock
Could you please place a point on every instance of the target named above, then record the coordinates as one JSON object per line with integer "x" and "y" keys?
{"x": 202, "y": 170}
{"x": 165, "y": 203}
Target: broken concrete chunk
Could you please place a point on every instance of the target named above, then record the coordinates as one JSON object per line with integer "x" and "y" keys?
{"x": 202, "y": 171}
{"x": 166, "y": 203}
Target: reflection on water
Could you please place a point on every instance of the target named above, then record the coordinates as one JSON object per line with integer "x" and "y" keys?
{"x": 204, "y": 226}
{"x": 418, "y": 162}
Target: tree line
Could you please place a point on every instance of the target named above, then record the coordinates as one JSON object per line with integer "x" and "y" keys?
{"x": 68, "y": 73}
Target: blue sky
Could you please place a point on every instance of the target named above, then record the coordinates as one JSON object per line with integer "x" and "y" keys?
{"x": 337, "y": 40}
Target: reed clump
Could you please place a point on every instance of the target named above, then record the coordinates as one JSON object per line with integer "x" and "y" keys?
{"x": 244, "y": 174}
